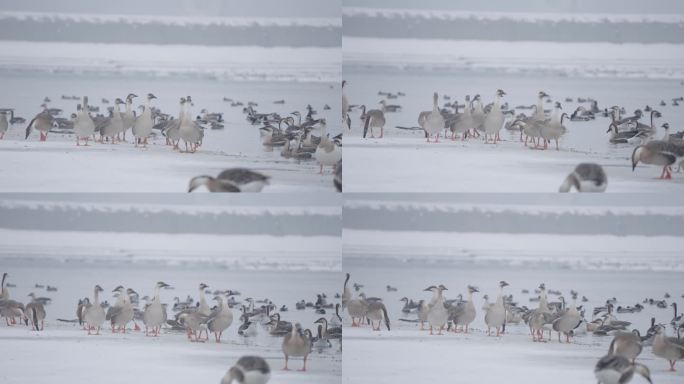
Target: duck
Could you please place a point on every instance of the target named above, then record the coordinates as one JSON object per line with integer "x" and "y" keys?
{"x": 248, "y": 370}
{"x": 587, "y": 177}
{"x": 231, "y": 180}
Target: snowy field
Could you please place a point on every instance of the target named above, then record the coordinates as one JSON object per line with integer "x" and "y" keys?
{"x": 65, "y": 351}
{"x": 59, "y": 166}
{"x": 617, "y": 260}
{"x": 403, "y": 161}
{"x": 76, "y": 241}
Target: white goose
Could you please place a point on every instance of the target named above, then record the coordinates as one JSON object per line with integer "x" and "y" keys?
{"x": 142, "y": 128}
{"x": 327, "y": 153}
{"x": 94, "y": 314}
{"x": 434, "y": 122}
{"x": 84, "y": 127}
{"x": 437, "y": 315}
{"x": 494, "y": 119}
{"x": 495, "y": 317}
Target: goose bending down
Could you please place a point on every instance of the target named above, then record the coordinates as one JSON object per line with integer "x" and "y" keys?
{"x": 94, "y": 314}
{"x": 296, "y": 344}
{"x": 376, "y": 311}
{"x": 587, "y": 177}
{"x": 658, "y": 152}
{"x": 142, "y": 127}
{"x": 113, "y": 125}
{"x": 248, "y": 370}
{"x": 328, "y": 153}
{"x": 494, "y": 119}
{"x": 155, "y": 315}
{"x": 220, "y": 319}
{"x": 345, "y": 107}
{"x": 465, "y": 314}
{"x": 346, "y": 292}
{"x": 668, "y": 348}
{"x": 357, "y": 309}
{"x": 232, "y": 180}
{"x": 617, "y": 369}
{"x": 567, "y": 321}
{"x": 11, "y": 309}
{"x": 35, "y": 313}
{"x": 495, "y": 317}
{"x": 43, "y": 122}
{"x": 4, "y": 124}
{"x": 374, "y": 118}
{"x": 437, "y": 315}
{"x": 627, "y": 344}
{"x": 84, "y": 127}
{"x": 434, "y": 121}
{"x": 554, "y": 129}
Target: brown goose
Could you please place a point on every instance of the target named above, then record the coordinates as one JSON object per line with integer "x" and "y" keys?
{"x": 658, "y": 152}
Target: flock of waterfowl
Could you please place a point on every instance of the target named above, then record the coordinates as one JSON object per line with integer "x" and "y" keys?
{"x": 538, "y": 130}
{"x": 194, "y": 317}
{"x": 185, "y": 134}
{"x": 562, "y": 317}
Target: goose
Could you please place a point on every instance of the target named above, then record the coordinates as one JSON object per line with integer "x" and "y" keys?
{"x": 336, "y": 319}
{"x": 84, "y": 127}
{"x": 434, "y": 121}
{"x": 43, "y": 122}
{"x": 321, "y": 342}
{"x": 627, "y": 344}
{"x": 94, "y": 314}
{"x": 193, "y": 322}
{"x": 128, "y": 117}
{"x": 121, "y": 315}
{"x": 80, "y": 308}
{"x": 373, "y": 118}
{"x": 668, "y": 348}
{"x": 35, "y": 313}
{"x": 617, "y": 369}
{"x": 142, "y": 127}
{"x": 171, "y": 128}
{"x": 587, "y": 177}
{"x": 568, "y": 321}
{"x": 296, "y": 344}
{"x": 554, "y": 129}
{"x": 4, "y": 124}
{"x": 463, "y": 122}
{"x": 154, "y": 314}
{"x": 466, "y": 313}
{"x": 220, "y": 319}
{"x": 478, "y": 114}
{"x": 357, "y": 309}
{"x": 437, "y": 315}
{"x": 4, "y": 292}
{"x": 345, "y": 107}
{"x": 189, "y": 131}
{"x": 658, "y": 152}
{"x": 232, "y": 180}
{"x": 248, "y": 370}
{"x": 334, "y": 332}
{"x": 626, "y": 137}
{"x": 337, "y": 180}
{"x": 530, "y": 127}
{"x": 10, "y": 310}
{"x": 279, "y": 327}
{"x": 346, "y": 292}
{"x": 327, "y": 153}
{"x": 494, "y": 119}
{"x": 678, "y": 319}
{"x": 495, "y": 317}
{"x": 111, "y": 127}
{"x": 376, "y": 311}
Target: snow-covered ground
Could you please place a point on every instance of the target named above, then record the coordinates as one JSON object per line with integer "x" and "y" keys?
{"x": 59, "y": 166}
{"x": 600, "y": 266}
{"x": 110, "y": 252}
{"x": 403, "y": 162}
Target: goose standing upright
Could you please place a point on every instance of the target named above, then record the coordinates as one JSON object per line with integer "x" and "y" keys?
{"x": 189, "y": 131}
{"x": 327, "y": 152}
{"x": 220, "y": 319}
{"x": 373, "y": 118}
{"x": 346, "y": 292}
{"x": 465, "y": 314}
{"x": 94, "y": 314}
{"x": 296, "y": 344}
{"x": 494, "y": 119}
{"x": 35, "y": 313}
{"x": 668, "y": 348}
{"x": 465, "y": 121}
{"x": 113, "y": 125}
{"x": 4, "y": 124}
{"x": 568, "y": 321}
{"x": 434, "y": 122}
{"x": 495, "y": 317}
{"x": 142, "y": 128}
{"x": 155, "y": 315}
{"x": 437, "y": 315}
{"x": 345, "y": 107}
{"x": 376, "y": 311}
{"x": 4, "y": 292}
{"x": 128, "y": 116}
{"x": 554, "y": 129}
{"x": 84, "y": 127}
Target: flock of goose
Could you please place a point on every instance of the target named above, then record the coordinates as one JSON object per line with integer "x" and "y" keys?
{"x": 565, "y": 318}
{"x": 186, "y": 134}
{"x": 195, "y": 318}
{"x": 540, "y": 128}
